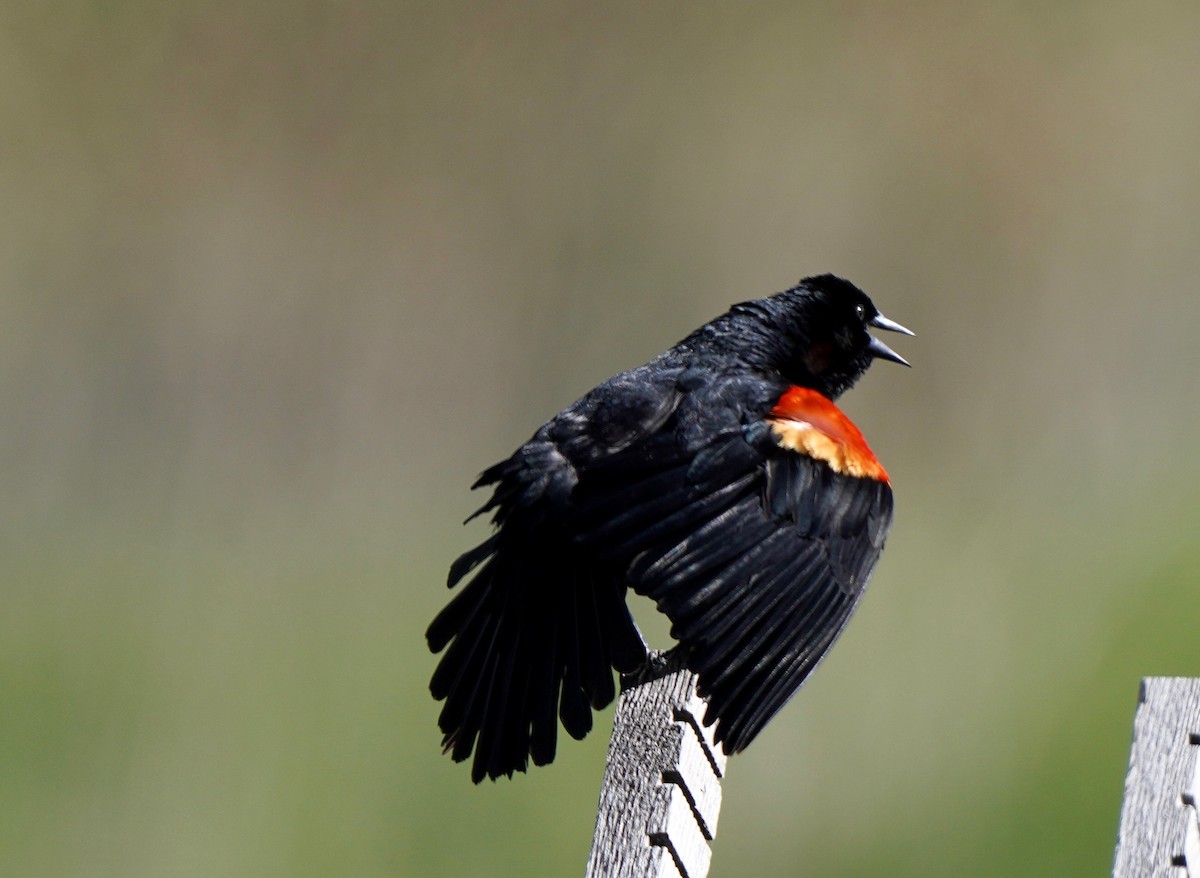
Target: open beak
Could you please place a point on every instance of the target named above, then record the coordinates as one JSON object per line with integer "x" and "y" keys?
{"x": 881, "y": 351}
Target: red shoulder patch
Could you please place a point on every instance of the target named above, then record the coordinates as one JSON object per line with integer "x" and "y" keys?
{"x": 805, "y": 421}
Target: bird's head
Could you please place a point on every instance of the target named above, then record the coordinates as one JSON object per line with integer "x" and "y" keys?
{"x": 816, "y": 334}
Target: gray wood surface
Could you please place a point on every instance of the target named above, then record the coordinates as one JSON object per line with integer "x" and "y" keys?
{"x": 1159, "y": 834}
{"x": 661, "y": 792}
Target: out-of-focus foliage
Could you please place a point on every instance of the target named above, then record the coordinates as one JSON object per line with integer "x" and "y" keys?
{"x": 277, "y": 279}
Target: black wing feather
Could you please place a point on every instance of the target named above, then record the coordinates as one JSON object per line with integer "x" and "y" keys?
{"x": 758, "y": 555}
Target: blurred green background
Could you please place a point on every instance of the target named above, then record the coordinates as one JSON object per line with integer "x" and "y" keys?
{"x": 277, "y": 280}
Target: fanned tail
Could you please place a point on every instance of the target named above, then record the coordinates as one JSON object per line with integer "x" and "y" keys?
{"x": 532, "y": 639}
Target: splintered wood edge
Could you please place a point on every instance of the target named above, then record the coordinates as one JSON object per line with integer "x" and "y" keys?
{"x": 1159, "y": 834}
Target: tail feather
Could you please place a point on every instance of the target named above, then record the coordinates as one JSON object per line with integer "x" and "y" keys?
{"x": 465, "y": 709}
{"x": 469, "y": 560}
{"x": 596, "y": 669}
{"x": 457, "y": 615}
{"x": 543, "y": 681}
{"x": 626, "y": 648}
{"x": 530, "y": 640}
{"x": 496, "y": 730}
{"x": 574, "y": 708}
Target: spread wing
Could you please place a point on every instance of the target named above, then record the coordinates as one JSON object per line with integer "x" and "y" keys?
{"x": 756, "y": 545}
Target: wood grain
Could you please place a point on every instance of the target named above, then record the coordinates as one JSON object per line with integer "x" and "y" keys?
{"x": 661, "y": 793}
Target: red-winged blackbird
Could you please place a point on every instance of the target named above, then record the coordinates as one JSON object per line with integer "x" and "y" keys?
{"x": 720, "y": 480}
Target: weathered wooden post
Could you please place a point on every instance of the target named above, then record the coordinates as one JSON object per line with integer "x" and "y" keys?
{"x": 1159, "y": 836}
{"x": 661, "y": 792}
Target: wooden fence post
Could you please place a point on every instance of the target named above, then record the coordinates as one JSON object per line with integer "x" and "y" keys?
{"x": 1159, "y": 835}
{"x": 661, "y": 792}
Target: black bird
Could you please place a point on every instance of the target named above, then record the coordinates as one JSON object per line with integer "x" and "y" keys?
{"x": 720, "y": 480}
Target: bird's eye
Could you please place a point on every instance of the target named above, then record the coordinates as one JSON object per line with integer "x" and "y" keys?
{"x": 860, "y": 311}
